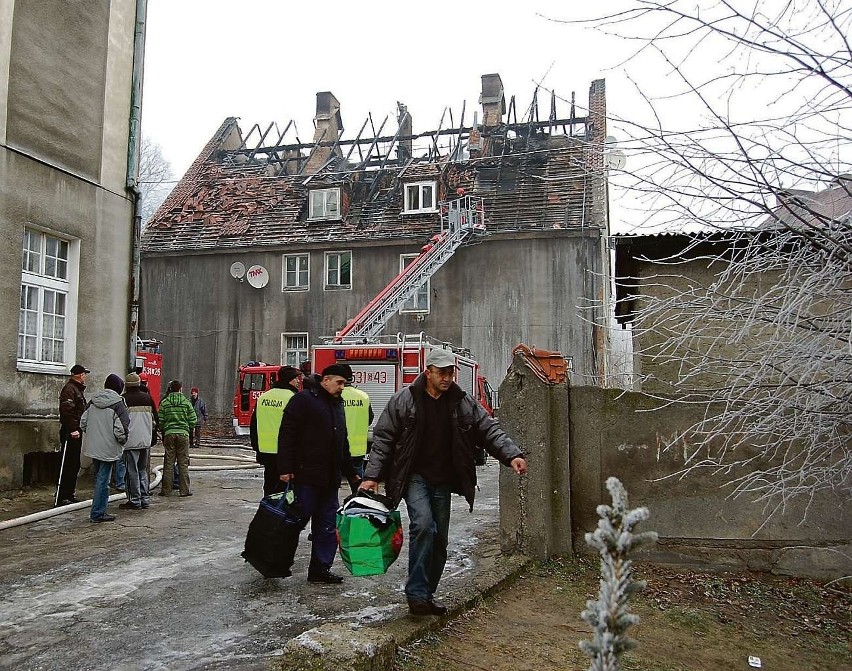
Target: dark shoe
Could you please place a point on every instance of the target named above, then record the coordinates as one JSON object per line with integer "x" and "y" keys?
{"x": 326, "y": 577}
{"x": 66, "y": 502}
{"x": 162, "y": 493}
{"x": 420, "y": 608}
{"x": 145, "y": 505}
{"x": 116, "y": 488}
{"x": 104, "y": 518}
{"x": 129, "y": 506}
{"x": 187, "y": 494}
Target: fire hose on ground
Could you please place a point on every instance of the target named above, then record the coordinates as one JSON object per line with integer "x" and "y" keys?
{"x": 247, "y": 462}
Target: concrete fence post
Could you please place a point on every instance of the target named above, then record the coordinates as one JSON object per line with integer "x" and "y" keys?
{"x": 535, "y": 511}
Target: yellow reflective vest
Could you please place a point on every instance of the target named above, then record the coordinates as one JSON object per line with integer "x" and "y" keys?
{"x": 270, "y": 406}
{"x": 356, "y": 406}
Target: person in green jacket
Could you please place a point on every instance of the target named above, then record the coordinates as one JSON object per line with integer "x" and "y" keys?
{"x": 177, "y": 419}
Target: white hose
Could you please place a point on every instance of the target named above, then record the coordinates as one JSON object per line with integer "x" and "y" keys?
{"x": 158, "y": 476}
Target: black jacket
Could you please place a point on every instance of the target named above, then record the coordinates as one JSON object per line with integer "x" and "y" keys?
{"x": 398, "y": 434}
{"x": 72, "y": 403}
{"x": 312, "y": 442}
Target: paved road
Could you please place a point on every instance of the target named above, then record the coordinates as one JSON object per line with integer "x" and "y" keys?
{"x": 166, "y": 588}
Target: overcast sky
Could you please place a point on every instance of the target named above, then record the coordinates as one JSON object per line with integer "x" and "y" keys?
{"x": 265, "y": 61}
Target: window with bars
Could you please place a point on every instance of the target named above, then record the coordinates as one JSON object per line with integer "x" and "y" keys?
{"x": 46, "y": 318}
{"x": 324, "y": 204}
{"x": 338, "y": 270}
{"x": 420, "y": 197}
{"x": 419, "y": 302}
{"x": 296, "y": 272}
{"x": 294, "y": 349}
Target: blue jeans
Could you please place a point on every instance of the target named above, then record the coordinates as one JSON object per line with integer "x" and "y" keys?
{"x": 428, "y": 533}
{"x": 100, "y": 497}
{"x": 120, "y": 472}
{"x": 320, "y": 504}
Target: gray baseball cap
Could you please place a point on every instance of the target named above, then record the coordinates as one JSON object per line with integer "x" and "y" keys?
{"x": 440, "y": 358}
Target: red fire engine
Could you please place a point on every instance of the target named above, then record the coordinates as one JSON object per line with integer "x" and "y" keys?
{"x": 149, "y": 366}
{"x": 384, "y": 364}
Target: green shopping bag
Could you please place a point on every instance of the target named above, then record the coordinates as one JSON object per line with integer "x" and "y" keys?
{"x": 370, "y": 538}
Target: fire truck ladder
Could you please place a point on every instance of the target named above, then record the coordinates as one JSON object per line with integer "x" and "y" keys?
{"x": 461, "y": 219}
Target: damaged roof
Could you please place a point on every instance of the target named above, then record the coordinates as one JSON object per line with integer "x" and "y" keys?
{"x": 532, "y": 175}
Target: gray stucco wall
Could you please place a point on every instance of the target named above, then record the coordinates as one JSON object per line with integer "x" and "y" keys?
{"x": 624, "y": 434}
{"x": 62, "y": 171}
{"x": 488, "y": 298}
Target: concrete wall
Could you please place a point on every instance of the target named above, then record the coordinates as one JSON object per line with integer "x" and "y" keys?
{"x": 65, "y": 70}
{"x": 487, "y": 298}
{"x": 624, "y": 434}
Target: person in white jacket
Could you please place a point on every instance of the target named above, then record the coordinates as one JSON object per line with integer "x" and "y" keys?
{"x": 105, "y": 424}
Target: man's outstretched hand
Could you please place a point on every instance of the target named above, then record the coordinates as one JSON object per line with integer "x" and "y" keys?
{"x": 519, "y": 465}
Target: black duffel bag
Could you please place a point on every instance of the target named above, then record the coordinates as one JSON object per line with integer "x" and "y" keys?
{"x": 273, "y": 534}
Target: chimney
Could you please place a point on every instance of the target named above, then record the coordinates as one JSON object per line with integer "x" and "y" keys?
{"x": 493, "y": 101}
{"x": 328, "y": 125}
{"x": 474, "y": 140}
{"x": 404, "y": 147}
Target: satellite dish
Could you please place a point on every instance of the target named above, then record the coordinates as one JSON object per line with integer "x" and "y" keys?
{"x": 611, "y": 141}
{"x": 238, "y": 270}
{"x": 616, "y": 160}
{"x": 258, "y": 277}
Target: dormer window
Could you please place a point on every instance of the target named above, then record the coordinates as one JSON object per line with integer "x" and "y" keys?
{"x": 324, "y": 204}
{"x": 420, "y": 197}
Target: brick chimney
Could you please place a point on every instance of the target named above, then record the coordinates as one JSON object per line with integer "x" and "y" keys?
{"x": 404, "y": 147}
{"x": 493, "y": 101}
{"x": 328, "y": 124}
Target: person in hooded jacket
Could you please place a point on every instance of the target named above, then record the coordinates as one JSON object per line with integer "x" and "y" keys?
{"x": 177, "y": 420}
{"x": 423, "y": 450}
{"x": 143, "y": 427}
{"x": 105, "y": 425}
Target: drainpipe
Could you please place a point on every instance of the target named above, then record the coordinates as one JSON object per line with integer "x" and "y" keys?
{"x": 133, "y": 145}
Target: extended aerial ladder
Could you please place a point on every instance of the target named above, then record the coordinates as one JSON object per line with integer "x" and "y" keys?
{"x": 461, "y": 219}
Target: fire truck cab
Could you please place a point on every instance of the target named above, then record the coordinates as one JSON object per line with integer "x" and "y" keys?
{"x": 255, "y": 378}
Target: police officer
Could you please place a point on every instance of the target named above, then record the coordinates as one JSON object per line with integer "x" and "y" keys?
{"x": 359, "y": 416}
{"x": 266, "y": 421}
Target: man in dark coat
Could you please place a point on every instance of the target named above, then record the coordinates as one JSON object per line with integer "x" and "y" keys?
{"x": 72, "y": 403}
{"x": 423, "y": 450}
{"x": 313, "y": 451}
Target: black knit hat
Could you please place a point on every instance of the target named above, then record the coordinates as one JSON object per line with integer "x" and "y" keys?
{"x": 288, "y": 373}
{"x": 114, "y": 382}
{"x": 340, "y": 369}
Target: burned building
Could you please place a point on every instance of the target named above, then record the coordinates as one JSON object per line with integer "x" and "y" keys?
{"x": 323, "y": 226}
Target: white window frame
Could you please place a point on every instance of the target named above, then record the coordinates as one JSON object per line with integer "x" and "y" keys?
{"x": 414, "y": 304}
{"x": 299, "y": 354}
{"x": 299, "y": 270}
{"x": 318, "y": 204}
{"x": 410, "y": 207}
{"x": 42, "y": 282}
{"x": 327, "y": 286}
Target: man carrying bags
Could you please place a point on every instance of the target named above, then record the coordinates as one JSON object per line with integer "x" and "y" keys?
{"x": 423, "y": 450}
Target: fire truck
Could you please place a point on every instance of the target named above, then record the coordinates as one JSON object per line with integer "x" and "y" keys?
{"x": 382, "y": 365}
{"x": 149, "y": 366}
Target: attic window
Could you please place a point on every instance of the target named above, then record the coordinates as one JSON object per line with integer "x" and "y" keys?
{"x": 420, "y": 197}
{"x": 324, "y": 204}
